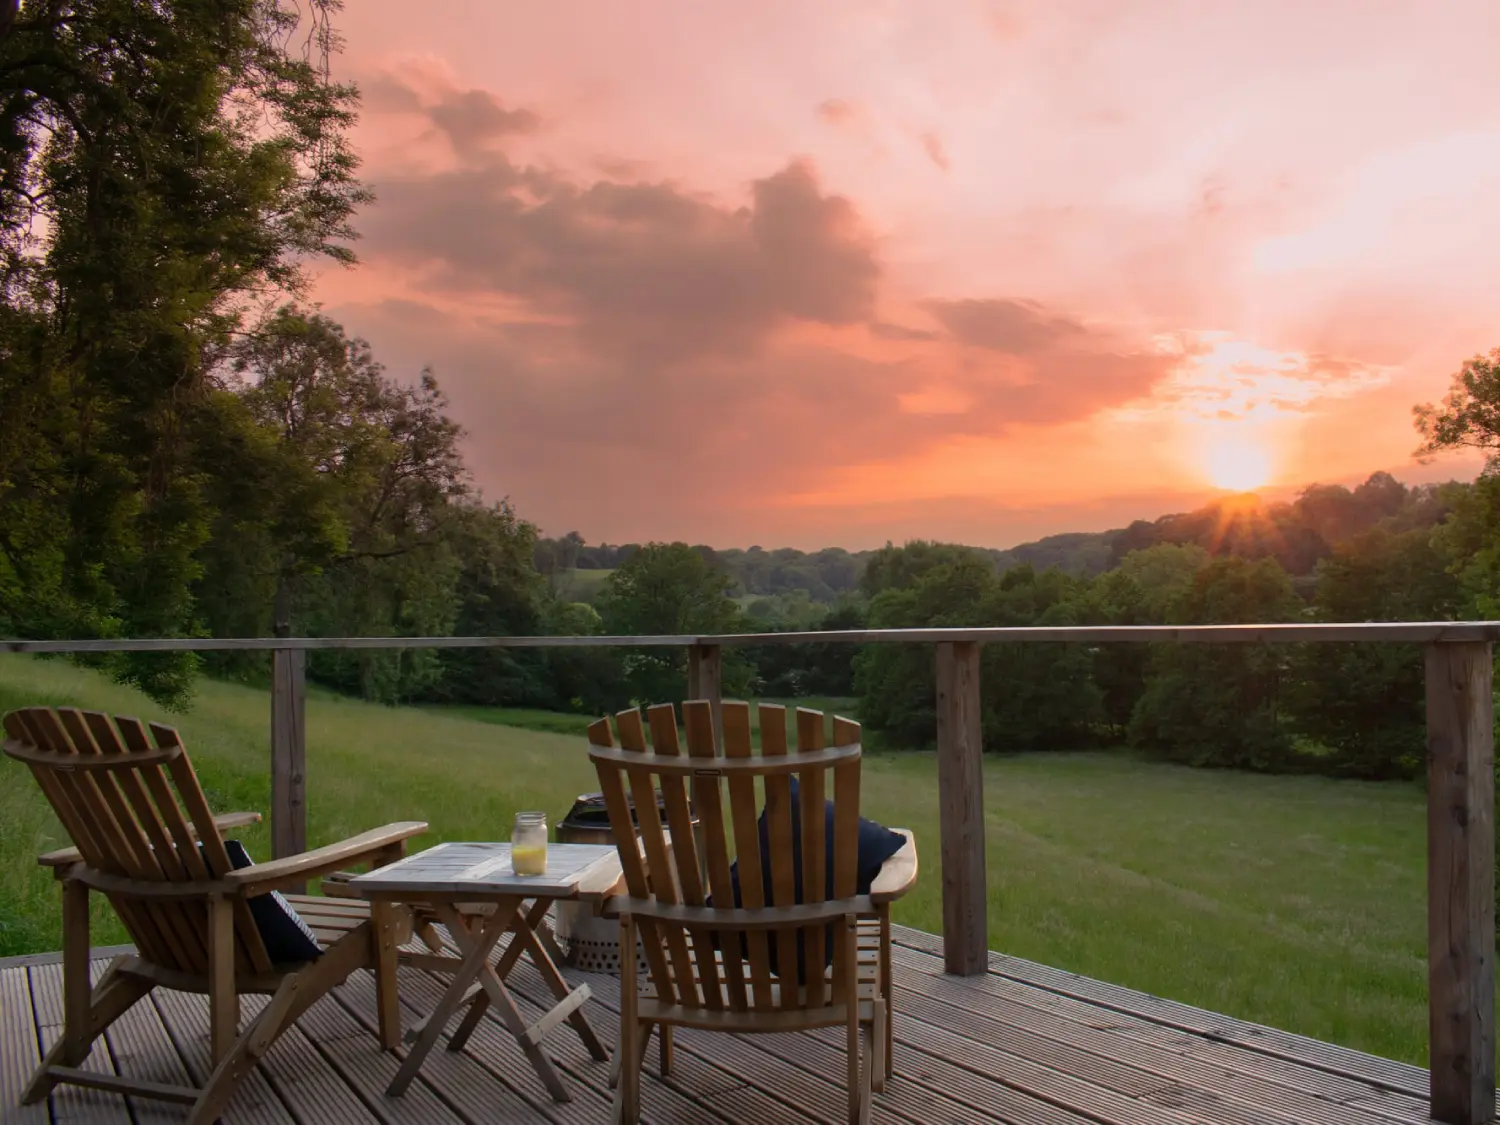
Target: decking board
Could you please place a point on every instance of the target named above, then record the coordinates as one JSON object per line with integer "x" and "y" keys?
{"x": 1387, "y": 1073}
{"x": 1024, "y": 1043}
{"x": 1000, "y": 997}
{"x": 995, "y": 1018}
{"x": 19, "y": 1053}
{"x": 73, "y": 1103}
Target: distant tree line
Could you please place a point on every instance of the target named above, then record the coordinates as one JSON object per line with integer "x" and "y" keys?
{"x": 1298, "y": 534}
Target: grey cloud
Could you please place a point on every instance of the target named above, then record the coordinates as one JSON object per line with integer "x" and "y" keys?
{"x": 1014, "y": 327}
{"x": 643, "y": 270}
{"x": 886, "y": 331}
{"x": 471, "y": 119}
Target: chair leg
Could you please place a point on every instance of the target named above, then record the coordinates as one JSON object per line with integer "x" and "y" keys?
{"x": 111, "y": 999}
{"x": 243, "y": 1056}
{"x": 627, "y": 1106}
{"x": 642, "y": 1045}
{"x": 888, "y": 995}
{"x": 668, "y": 1049}
{"x": 849, "y": 964}
{"x": 879, "y": 1048}
{"x": 866, "y": 1088}
{"x": 223, "y": 1001}
{"x": 77, "y": 991}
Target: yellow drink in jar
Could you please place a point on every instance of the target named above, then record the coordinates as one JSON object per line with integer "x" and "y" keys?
{"x": 528, "y": 844}
{"x": 529, "y": 859}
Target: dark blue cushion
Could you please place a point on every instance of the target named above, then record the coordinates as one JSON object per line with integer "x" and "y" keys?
{"x": 286, "y": 935}
{"x": 877, "y": 843}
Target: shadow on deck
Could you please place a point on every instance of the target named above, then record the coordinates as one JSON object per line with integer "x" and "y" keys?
{"x": 1024, "y": 1043}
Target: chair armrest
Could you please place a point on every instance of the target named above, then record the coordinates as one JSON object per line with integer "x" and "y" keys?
{"x": 263, "y": 877}
{"x": 66, "y": 857}
{"x": 898, "y": 873}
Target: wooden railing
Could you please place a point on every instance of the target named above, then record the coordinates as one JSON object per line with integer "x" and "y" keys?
{"x": 1460, "y": 783}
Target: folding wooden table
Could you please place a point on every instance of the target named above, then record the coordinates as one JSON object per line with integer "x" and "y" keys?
{"x": 474, "y": 892}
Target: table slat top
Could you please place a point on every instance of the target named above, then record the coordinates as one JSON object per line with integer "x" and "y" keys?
{"x": 483, "y": 870}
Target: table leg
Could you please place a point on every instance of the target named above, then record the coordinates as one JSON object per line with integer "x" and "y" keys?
{"x": 481, "y": 1003}
{"x": 543, "y": 930}
{"x": 529, "y": 1039}
{"x": 536, "y": 947}
{"x": 476, "y": 951}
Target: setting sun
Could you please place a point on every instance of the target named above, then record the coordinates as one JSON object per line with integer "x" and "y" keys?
{"x": 1238, "y": 464}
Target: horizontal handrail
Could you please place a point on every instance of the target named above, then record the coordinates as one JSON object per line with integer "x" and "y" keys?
{"x": 1390, "y": 632}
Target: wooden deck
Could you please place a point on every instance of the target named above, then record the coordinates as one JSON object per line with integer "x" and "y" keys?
{"x": 1024, "y": 1043}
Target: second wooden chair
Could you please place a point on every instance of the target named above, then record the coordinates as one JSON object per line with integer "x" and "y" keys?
{"x": 794, "y": 934}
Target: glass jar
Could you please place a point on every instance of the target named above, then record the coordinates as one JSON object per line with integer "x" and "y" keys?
{"x": 528, "y": 844}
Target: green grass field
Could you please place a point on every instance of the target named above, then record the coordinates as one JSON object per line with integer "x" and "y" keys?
{"x": 1291, "y": 901}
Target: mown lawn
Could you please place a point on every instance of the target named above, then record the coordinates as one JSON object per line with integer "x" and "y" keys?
{"x": 1296, "y": 902}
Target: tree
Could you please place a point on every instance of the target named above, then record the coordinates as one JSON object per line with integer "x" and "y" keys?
{"x": 1033, "y": 697}
{"x": 1469, "y": 417}
{"x": 900, "y": 568}
{"x": 1217, "y": 705}
{"x": 1141, "y": 591}
{"x": 1366, "y": 703}
{"x": 587, "y": 680}
{"x": 670, "y": 589}
{"x": 161, "y": 167}
{"x": 497, "y": 592}
{"x": 341, "y": 501}
{"x": 932, "y": 587}
{"x": 1037, "y": 697}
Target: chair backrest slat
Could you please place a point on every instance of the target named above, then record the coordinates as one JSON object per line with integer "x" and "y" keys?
{"x": 250, "y": 950}
{"x": 701, "y": 964}
{"x": 845, "y": 834}
{"x": 686, "y": 863}
{"x": 664, "y": 879}
{"x": 698, "y": 718}
{"x": 637, "y": 871}
{"x": 779, "y": 827}
{"x": 126, "y": 817}
{"x": 814, "y": 842}
{"x": 742, "y": 805}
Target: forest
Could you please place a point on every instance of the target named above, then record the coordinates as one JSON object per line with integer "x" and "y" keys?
{"x": 192, "y": 449}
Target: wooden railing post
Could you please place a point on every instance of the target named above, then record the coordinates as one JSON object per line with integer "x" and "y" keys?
{"x": 1461, "y": 881}
{"x": 961, "y": 809}
{"x": 706, "y": 681}
{"x": 288, "y": 752}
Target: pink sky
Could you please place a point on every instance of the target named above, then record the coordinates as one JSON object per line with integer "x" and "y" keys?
{"x": 845, "y": 272}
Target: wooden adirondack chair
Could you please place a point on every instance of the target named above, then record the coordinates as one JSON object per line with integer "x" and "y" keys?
{"x": 710, "y": 961}
{"x": 146, "y": 840}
